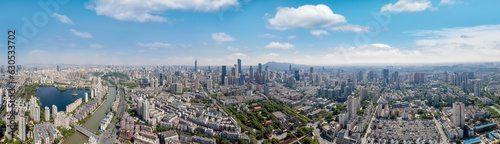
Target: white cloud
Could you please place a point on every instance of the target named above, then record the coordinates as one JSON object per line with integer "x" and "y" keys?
{"x": 151, "y": 10}
{"x": 154, "y": 45}
{"x": 267, "y": 35}
{"x": 318, "y": 33}
{"x": 222, "y": 37}
{"x": 449, "y": 2}
{"x": 205, "y": 43}
{"x": 95, "y": 46}
{"x": 350, "y": 28}
{"x": 63, "y": 19}
{"x": 84, "y": 35}
{"x": 306, "y": 16}
{"x": 236, "y": 56}
{"x": 37, "y": 53}
{"x": 233, "y": 49}
{"x": 271, "y": 55}
{"x": 407, "y": 6}
{"x": 292, "y": 37}
{"x": 277, "y": 45}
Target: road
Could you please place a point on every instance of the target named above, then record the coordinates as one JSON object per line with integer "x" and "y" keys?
{"x": 443, "y": 138}
{"x": 369, "y": 130}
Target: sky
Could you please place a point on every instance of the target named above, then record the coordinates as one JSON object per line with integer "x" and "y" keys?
{"x": 218, "y": 32}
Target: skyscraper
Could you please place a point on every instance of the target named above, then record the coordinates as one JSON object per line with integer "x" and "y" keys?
{"x": 297, "y": 76}
{"x": 385, "y": 73}
{"x": 352, "y": 106}
{"x": 259, "y": 70}
{"x": 459, "y": 114}
{"x": 22, "y": 128}
{"x": 250, "y": 73}
{"x": 223, "y": 74}
{"x": 145, "y": 110}
{"x": 58, "y": 69}
{"x": 47, "y": 113}
{"x": 445, "y": 77}
{"x": 195, "y": 65}
{"x": 239, "y": 66}
{"x": 54, "y": 111}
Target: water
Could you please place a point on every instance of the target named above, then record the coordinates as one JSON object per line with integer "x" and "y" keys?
{"x": 52, "y": 96}
{"x": 95, "y": 120}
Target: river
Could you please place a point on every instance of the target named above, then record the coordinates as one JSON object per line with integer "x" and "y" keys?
{"x": 95, "y": 120}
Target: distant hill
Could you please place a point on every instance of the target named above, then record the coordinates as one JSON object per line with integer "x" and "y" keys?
{"x": 282, "y": 66}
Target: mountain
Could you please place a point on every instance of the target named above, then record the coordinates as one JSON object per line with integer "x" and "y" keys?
{"x": 282, "y": 66}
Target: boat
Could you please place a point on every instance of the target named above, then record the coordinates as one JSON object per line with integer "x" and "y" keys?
{"x": 74, "y": 93}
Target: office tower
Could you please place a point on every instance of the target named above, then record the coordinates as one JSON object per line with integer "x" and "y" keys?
{"x": 385, "y": 73}
{"x": 195, "y": 65}
{"x": 86, "y": 97}
{"x": 22, "y": 128}
{"x": 445, "y": 77}
{"x": 370, "y": 75}
{"x": 209, "y": 84}
{"x": 235, "y": 72}
{"x": 47, "y": 113}
{"x": 54, "y": 111}
{"x": 364, "y": 93}
{"x": 250, "y": 73}
{"x": 291, "y": 82}
{"x": 311, "y": 70}
{"x": 145, "y": 110}
{"x": 161, "y": 79}
{"x": 352, "y": 106}
{"x": 223, "y": 74}
{"x": 266, "y": 74}
{"x": 449, "y": 99}
{"x": 396, "y": 78}
{"x": 459, "y": 114}
{"x": 259, "y": 70}
{"x": 239, "y": 66}
{"x": 58, "y": 69}
{"x": 176, "y": 88}
{"x": 297, "y": 76}
{"x": 290, "y": 68}
{"x": 477, "y": 90}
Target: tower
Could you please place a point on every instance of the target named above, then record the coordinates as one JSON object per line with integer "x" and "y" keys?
{"x": 239, "y": 66}
{"x": 195, "y": 65}
{"x": 145, "y": 110}
{"x": 47, "y": 113}
{"x": 223, "y": 74}
{"x": 22, "y": 128}
{"x": 459, "y": 114}
{"x": 54, "y": 111}
{"x": 250, "y": 73}
{"x": 352, "y": 106}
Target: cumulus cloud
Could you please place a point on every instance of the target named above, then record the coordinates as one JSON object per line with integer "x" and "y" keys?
{"x": 306, "y": 16}
{"x": 292, "y": 37}
{"x": 154, "y": 45}
{"x": 95, "y": 46}
{"x": 84, "y": 35}
{"x": 222, "y": 37}
{"x": 318, "y": 33}
{"x": 350, "y": 28}
{"x": 233, "y": 49}
{"x": 151, "y": 10}
{"x": 407, "y": 6}
{"x": 449, "y": 2}
{"x": 278, "y": 45}
{"x": 63, "y": 19}
{"x": 267, "y": 35}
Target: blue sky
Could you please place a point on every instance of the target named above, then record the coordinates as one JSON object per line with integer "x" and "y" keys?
{"x": 216, "y": 32}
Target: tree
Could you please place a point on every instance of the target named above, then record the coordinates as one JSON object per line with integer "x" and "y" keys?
{"x": 481, "y": 118}
{"x": 289, "y": 135}
{"x": 225, "y": 141}
{"x": 308, "y": 140}
{"x": 275, "y": 141}
{"x": 241, "y": 141}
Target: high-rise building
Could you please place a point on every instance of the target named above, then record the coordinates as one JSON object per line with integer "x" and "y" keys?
{"x": 145, "y": 110}
{"x": 54, "y": 111}
{"x": 311, "y": 70}
{"x": 297, "y": 76}
{"x": 22, "y": 128}
{"x": 459, "y": 114}
{"x": 250, "y": 73}
{"x": 58, "y": 69}
{"x": 223, "y": 74}
{"x": 477, "y": 90}
{"x": 239, "y": 66}
{"x": 445, "y": 77}
{"x": 352, "y": 106}
{"x": 195, "y": 65}
{"x": 291, "y": 82}
{"x": 437, "y": 99}
{"x": 396, "y": 78}
{"x": 176, "y": 88}
{"x": 86, "y": 97}
{"x": 36, "y": 114}
{"x": 385, "y": 73}
{"x": 1, "y": 96}
{"x": 259, "y": 70}
{"x": 364, "y": 94}
{"x": 47, "y": 113}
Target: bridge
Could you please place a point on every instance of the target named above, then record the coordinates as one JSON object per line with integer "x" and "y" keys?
{"x": 84, "y": 131}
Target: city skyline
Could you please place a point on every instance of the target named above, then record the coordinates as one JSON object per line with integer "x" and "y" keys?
{"x": 220, "y": 32}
